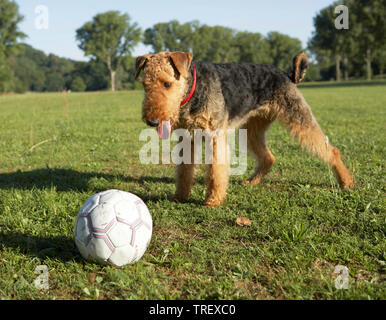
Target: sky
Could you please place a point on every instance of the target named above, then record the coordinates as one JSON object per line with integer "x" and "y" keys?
{"x": 291, "y": 17}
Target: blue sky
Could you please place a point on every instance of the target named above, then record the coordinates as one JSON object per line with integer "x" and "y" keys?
{"x": 292, "y": 17}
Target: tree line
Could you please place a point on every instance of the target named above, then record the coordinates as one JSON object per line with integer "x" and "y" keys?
{"x": 110, "y": 38}
{"x": 360, "y": 50}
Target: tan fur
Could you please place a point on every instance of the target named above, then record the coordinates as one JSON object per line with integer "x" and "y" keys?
{"x": 298, "y": 72}
{"x": 185, "y": 174}
{"x": 303, "y": 126}
{"x": 256, "y": 128}
{"x": 217, "y": 177}
{"x": 162, "y": 103}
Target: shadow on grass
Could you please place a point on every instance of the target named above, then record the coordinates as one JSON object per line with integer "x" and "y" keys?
{"x": 66, "y": 179}
{"x": 71, "y": 180}
{"x": 342, "y": 84}
{"x": 54, "y": 247}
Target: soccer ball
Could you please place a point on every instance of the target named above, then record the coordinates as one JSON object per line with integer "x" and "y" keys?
{"x": 113, "y": 227}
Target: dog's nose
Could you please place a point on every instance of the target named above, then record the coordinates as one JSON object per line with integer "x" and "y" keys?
{"x": 153, "y": 123}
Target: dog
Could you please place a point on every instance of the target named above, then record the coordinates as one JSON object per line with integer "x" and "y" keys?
{"x": 203, "y": 95}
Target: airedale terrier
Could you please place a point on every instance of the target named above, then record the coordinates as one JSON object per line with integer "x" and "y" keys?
{"x": 211, "y": 96}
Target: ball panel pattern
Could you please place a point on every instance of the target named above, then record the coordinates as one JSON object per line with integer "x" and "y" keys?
{"x": 111, "y": 196}
{"x": 113, "y": 227}
{"x": 126, "y": 212}
{"x": 83, "y": 230}
{"x": 90, "y": 205}
{"x": 123, "y": 255}
{"x": 120, "y": 234}
{"x": 100, "y": 247}
{"x": 102, "y": 217}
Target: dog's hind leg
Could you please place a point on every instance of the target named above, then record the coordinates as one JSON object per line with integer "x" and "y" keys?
{"x": 297, "y": 116}
{"x": 256, "y": 128}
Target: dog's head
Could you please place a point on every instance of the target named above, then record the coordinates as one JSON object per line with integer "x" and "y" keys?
{"x": 165, "y": 80}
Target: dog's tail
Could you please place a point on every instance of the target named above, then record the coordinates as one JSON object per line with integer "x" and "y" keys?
{"x": 299, "y": 68}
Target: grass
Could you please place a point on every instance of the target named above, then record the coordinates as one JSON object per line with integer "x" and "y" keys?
{"x": 57, "y": 150}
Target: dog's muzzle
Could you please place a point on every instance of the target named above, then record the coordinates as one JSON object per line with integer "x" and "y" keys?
{"x": 152, "y": 123}
{"x": 164, "y": 128}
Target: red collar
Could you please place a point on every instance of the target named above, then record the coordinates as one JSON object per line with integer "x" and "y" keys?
{"x": 193, "y": 87}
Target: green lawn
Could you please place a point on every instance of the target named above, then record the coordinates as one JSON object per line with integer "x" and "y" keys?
{"x": 57, "y": 150}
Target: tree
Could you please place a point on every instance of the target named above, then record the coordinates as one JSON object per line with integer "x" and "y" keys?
{"x": 172, "y": 36}
{"x": 109, "y": 37}
{"x": 338, "y": 44}
{"x": 164, "y": 36}
{"x": 252, "y": 47}
{"x": 9, "y": 31}
{"x": 362, "y": 42}
{"x": 93, "y": 73}
{"x": 370, "y": 29}
{"x": 282, "y": 49}
{"x": 219, "y": 42}
{"x": 9, "y": 36}
{"x": 324, "y": 40}
{"x": 35, "y": 71}
{"x": 380, "y": 58}
{"x": 208, "y": 43}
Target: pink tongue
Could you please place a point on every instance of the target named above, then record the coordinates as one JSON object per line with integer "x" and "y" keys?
{"x": 164, "y": 130}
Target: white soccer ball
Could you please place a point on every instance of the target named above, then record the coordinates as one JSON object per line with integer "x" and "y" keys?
{"x": 113, "y": 227}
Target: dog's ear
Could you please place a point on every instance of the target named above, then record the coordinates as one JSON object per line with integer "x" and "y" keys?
{"x": 140, "y": 63}
{"x": 181, "y": 61}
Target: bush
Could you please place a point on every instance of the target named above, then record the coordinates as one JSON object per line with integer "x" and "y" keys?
{"x": 54, "y": 82}
{"x": 78, "y": 85}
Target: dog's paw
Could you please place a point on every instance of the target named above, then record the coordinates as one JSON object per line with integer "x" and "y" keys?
{"x": 176, "y": 198}
{"x": 252, "y": 181}
{"x": 173, "y": 199}
{"x": 211, "y": 203}
{"x": 348, "y": 184}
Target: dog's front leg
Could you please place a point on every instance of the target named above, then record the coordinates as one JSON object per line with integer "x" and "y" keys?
{"x": 218, "y": 173}
{"x": 185, "y": 174}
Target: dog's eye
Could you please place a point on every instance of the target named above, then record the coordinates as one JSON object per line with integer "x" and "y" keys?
{"x": 167, "y": 85}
